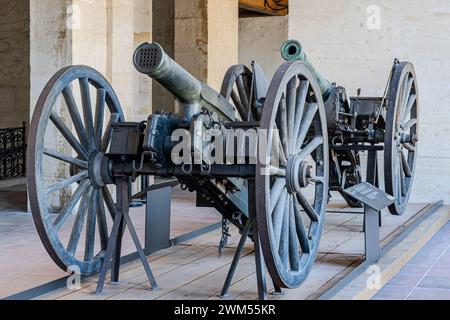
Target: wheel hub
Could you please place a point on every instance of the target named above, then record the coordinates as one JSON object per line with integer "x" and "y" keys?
{"x": 99, "y": 170}
{"x": 298, "y": 174}
{"x": 408, "y": 138}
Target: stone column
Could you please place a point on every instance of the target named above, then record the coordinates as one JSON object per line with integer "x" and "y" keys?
{"x": 164, "y": 34}
{"x": 14, "y": 63}
{"x": 206, "y": 38}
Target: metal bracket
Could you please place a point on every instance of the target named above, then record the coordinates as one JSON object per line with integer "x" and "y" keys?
{"x": 374, "y": 201}
{"x": 251, "y": 228}
{"x": 113, "y": 252}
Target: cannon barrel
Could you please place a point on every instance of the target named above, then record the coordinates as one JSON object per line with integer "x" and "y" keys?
{"x": 292, "y": 50}
{"x": 191, "y": 93}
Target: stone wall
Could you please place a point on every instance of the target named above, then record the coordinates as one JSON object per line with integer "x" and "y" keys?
{"x": 14, "y": 62}
{"x": 206, "y": 38}
{"x": 260, "y": 39}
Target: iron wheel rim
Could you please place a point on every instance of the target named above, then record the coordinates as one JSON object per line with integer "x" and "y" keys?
{"x": 36, "y": 153}
{"x": 402, "y": 121}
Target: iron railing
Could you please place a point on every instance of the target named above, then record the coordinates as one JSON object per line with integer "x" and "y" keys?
{"x": 12, "y": 152}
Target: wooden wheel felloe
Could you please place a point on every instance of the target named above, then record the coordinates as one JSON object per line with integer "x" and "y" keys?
{"x": 70, "y": 145}
{"x": 401, "y": 138}
{"x": 291, "y": 198}
{"x": 237, "y": 88}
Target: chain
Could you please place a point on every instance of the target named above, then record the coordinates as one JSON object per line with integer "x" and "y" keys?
{"x": 225, "y": 236}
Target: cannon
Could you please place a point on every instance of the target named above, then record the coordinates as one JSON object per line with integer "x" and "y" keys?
{"x": 391, "y": 120}
{"x": 306, "y": 135}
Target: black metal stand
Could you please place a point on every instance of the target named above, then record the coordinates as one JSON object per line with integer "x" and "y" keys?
{"x": 113, "y": 252}
{"x": 251, "y": 228}
{"x": 372, "y": 217}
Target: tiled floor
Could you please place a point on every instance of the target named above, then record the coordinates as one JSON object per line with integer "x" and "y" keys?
{"x": 426, "y": 276}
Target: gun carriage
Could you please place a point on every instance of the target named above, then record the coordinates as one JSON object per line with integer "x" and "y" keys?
{"x": 313, "y": 138}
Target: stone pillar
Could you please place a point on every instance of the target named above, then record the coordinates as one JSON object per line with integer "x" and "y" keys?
{"x": 14, "y": 63}
{"x": 223, "y": 39}
{"x": 206, "y": 38}
{"x": 164, "y": 34}
{"x": 129, "y": 24}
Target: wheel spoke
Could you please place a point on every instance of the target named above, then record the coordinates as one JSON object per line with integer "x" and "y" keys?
{"x": 79, "y": 222}
{"x": 75, "y": 115}
{"x": 283, "y": 126}
{"x": 409, "y": 147}
{"x": 87, "y": 109}
{"x": 65, "y": 131}
{"x": 274, "y": 171}
{"x": 409, "y": 106}
{"x": 59, "y": 156}
{"x": 401, "y": 177}
{"x": 317, "y": 179}
{"x": 306, "y": 124}
{"x": 277, "y": 217}
{"x": 310, "y": 147}
{"x": 102, "y": 223}
{"x": 407, "y": 92}
{"x": 301, "y": 230}
{"x": 294, "y": 255}
{"x": 99, "y": 116}
{"x": 237, "y": 103}
{"x": 275, "y": 192}
{"x": 411, "y": 123}
{"x": 302, "y": 92}
{"x": 109, "y": 131}
{"x": 277, "y": 148}
{"x": 65, "y": 183}
{"x": 291, "y": 93}
{"x": 109, "y": 202}
{"x": 406, "y": 168}
{"x": 312, "y": 214}
{"x": 284, "y": 239}
{"x": 62, "y": 217}
{"x": 90, "y": 228}
{"x": 243, "y": 94}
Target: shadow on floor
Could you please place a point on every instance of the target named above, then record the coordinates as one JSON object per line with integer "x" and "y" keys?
{"x": 13, "y": 197}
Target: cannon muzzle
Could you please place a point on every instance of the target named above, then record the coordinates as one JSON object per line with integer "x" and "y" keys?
{"x": 292, "y": 50}
{"x": 191, "y": 93}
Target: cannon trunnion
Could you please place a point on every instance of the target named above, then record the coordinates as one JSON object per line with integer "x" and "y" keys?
{"x": 288, "y": 142}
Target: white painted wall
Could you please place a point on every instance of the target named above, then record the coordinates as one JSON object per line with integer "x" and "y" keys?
{"x": 336, "y": 38}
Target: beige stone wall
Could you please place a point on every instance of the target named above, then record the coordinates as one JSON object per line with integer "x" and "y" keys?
{"x": 105, "y": 36}
{"x": 101, "y": 34}
{"x": 191, "y": 36}
{"x": 14, "y": 62}
{"x": 50, "y": 42}
{"x": 260, "y": 39}
{"x": 223, "y": 39}
{"x": 336, "y": 37}
{"x": 206, "y": 38}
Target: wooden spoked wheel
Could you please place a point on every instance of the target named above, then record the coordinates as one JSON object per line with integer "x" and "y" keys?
{"x": 292, "y": 176}
{"x": 401, "y": 137}
{"x": 69, "y": 134}
{"x": 237, "y": 88}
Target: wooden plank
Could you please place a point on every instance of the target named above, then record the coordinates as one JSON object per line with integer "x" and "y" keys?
{"x": 125, "y": 269}
{"x": 193, "y": 271}
{"x": 137, "y": 278}
{"x": 171, "y": 281}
